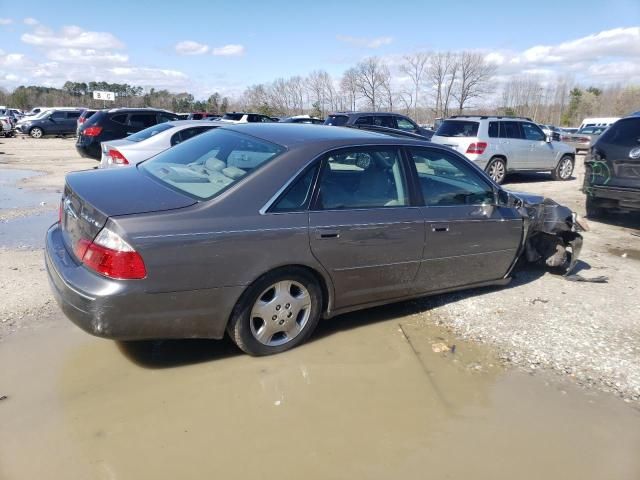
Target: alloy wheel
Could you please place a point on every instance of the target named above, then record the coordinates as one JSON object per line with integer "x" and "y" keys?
{"x": 280, "y": 313}
{"x": 566, "y": 168}
{"x": 497, "y": 171}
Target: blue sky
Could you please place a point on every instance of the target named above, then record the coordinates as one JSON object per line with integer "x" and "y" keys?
{"x": 142, "y": 42}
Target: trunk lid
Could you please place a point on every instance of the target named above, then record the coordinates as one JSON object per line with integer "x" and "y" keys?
{"x": 92, "y": 196}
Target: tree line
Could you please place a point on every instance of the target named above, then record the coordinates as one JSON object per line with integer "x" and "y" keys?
{"x": 423, "y": 85}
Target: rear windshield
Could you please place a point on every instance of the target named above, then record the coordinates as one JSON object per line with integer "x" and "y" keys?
{"x": 336, "y": 120}
{"x": 458, "y": 128}
{"x": 149, "y": 132}
{"x": 210, "y": 163}
{"x": 233, "y": 116}
{"x": 625, "y": 133}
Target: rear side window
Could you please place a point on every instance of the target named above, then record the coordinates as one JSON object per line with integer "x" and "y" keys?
{"x": 298, "y": 195}
{"x": 187, "y": 133}
{"x": 233, "y": 116}
{"x": 164, "y": 117}
{"x": 510, "y": 130}
{"x": 458, "y": 128}
{"x": 149, "y": 132}
{"x": 336, "y": 120}
{"x": 142, "y": 120}
{"x": 120, "y": 118}
{"x": 58, "y": 115}
{"x": 73, "y": 115}
{"x": 368, "y": 120}
{"x": 624, "y": 132}
{"x": 494, "y": 129}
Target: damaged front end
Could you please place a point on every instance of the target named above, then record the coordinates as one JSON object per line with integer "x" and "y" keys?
{"x": 551, "y": 232}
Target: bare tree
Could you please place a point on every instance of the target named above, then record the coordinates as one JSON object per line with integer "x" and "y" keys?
{"x": 443, "y": 73}
{"x": 387, "y": 89}
{"x": 370, "y": 79}
{"x": 349, "y": 87}
{"x": 414, "y": 67}
{"x": 474, "y": 77}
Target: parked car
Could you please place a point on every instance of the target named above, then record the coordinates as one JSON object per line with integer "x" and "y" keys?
{"x": 146, "y": 143}
{"x": 9, "y": 114}
{"x": 240, "y": 117}
{"x": 584, "y": 138}
{"x": 381, "y": 119}
{"x": 35, "y": 111}
{"x": 567, "y": 130}
{"x": 6, "y": 127}
{"x": 612, "y": 169}
{"x": 552, "y": 131}
{"x": 54, "y": 121}
{"x": 86, "y": 114}
{"x": 114, "y": 124}
{"x": 598, "y": 122}
{"x": 302, "y": 119}
{"x": 502, "y": 145}
{"x": 202, "y": 116}
{"x": 259, "y": 230}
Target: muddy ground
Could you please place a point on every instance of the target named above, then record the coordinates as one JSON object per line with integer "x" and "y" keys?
{"x": 375, "y": 394}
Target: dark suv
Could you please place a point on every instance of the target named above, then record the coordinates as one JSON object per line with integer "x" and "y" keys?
{"x": 377, "y": 119}
{"x": 115, "y": 124}
{"x": 612, "y": 169}
{"x": 57, "y": 121}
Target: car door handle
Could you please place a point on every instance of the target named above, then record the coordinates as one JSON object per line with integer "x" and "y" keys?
{"x": 440, "y": 227}
{"x": 324, "y": 234}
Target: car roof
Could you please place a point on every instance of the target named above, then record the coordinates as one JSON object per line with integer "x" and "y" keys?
{"x": 136, "y": 109}
{"x": 346, "y": 114}
{"x": 186, "y": 123}
{"x": 292, "y": 134}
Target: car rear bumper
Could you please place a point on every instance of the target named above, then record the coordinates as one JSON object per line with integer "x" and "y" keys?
{"x": 88, "y": 149}
{"x": 627, "y": 198}
{"x": 122, "y": 310}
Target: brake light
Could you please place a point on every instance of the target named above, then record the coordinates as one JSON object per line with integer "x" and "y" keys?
{"x": 93, "y": 131}
{"x": 111, "y": 256}
{"x": 81, "y": 119}
{"x": 117, "y": 158}
{"x": 478, "y": 148}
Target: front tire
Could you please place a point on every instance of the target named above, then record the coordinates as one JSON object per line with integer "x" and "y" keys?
{"x": 564, "y": 169}
{"x": 497, "y": 170}
{"x": 279, "y": 311}
{"x": 36, "y": 132}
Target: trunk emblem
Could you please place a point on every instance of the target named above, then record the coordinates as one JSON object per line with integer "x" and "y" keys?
{"x": 67, "y": 207}
{"x": 635, "y": 153}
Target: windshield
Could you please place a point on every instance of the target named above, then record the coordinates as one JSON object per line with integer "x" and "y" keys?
{"x": 458, "y": 128}
{"x": 210, "y": 163}
{"x": 336, "y": 120}
{"x": 149, "y": 132}
{"x": 592, "y": 130}
{"x": 233, "y": 116}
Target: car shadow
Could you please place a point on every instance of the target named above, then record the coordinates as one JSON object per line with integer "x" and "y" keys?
{"x": 530, "y": 177}
{"x": 176, "y": 353}
{"x": 629, "y": 220}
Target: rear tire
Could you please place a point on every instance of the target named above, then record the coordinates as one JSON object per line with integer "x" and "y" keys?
{"x": 497, "y": 170}
{"x": 36, "y": 132}
{"x": 594, "y": 208}
{"x": 564, "y": 169}
{"x": 279, "y": 311}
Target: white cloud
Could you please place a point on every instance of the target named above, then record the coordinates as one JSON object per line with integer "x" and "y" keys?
{"x": 6, "y": 21}
{"x": 30, "y": 21}
{"x": 189, "y": 47}
{"x": 608, "y": 56}
{"x": 230, "y": 50}
{"x": 71, "y": 37}
{"x": 86, "y": 56}
{"x": 364, "y": 41}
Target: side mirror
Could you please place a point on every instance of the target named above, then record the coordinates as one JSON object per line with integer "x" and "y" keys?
{"x": 548, "y": 138}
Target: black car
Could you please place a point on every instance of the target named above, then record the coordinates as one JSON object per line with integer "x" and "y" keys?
{"x": 612, "y": 169}
{"x": 115, "y": 124}
{"x": 380, "y": 119}
{"x": 84, "y": 116}
{"x": 302, "y": 119}
{"x": 57, "y": 121}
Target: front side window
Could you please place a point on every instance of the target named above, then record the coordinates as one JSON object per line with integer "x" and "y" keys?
{"x": 446, "y": 180}
{"x": 404, "y": 124}
{"x": 58, "y": 115}
{"x": 210, "y": 163}
{"x": 362, "y": 178}
{"x": 385, "y": 121}
{"x": 532, "y": 132}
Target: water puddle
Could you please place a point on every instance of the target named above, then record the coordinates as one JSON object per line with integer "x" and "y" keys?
{"x": 369, "y": 396}
{"x": 26, "y": 232}
{"x": 630, "y": 253}
{"x": 13, "y": 196}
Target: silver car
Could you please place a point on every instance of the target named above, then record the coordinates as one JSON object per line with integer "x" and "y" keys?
{"x": 500, "y": 145}
{"x": 150, "y": 141}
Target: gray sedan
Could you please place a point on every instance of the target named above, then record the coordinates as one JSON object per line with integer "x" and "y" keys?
{"x": 259, "y": 230}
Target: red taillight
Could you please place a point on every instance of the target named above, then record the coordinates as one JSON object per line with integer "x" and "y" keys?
{"x": 478, "y": 148}
{"x": 111, "y": 256}
{"x": 92, "y": 131}
{"x": 117, "y": 157}
{"x": 81, "y": 120}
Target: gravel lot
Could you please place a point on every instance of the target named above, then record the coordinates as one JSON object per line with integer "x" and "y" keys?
{"x": 586, "y": 331}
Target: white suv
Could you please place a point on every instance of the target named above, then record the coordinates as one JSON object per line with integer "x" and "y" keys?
{"x": 501, "y": 145}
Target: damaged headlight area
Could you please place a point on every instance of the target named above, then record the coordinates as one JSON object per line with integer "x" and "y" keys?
{"x": 552, "y": 233}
